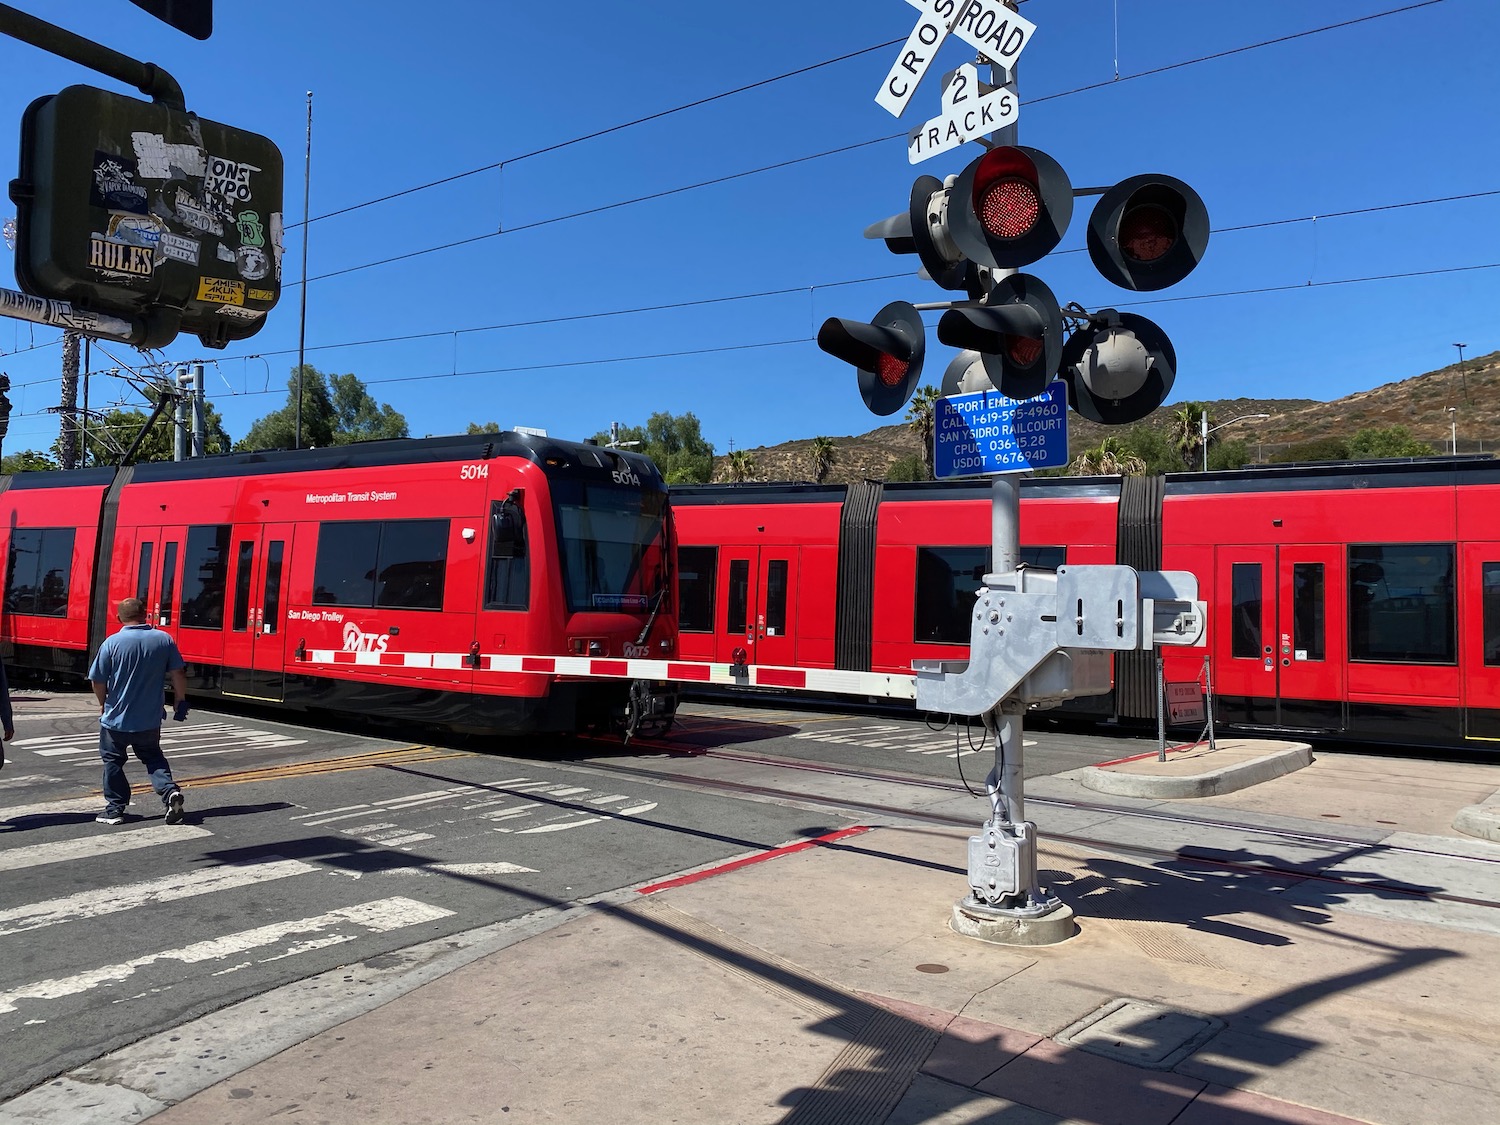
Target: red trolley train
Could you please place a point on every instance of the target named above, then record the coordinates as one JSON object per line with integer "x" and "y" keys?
{"x": 1355, "y": 601}
{"x": 376, "y": 579}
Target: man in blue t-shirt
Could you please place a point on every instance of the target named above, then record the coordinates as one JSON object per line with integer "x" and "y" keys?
{"x": 129, "y": 674}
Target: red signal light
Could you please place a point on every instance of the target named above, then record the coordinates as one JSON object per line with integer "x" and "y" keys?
{"x": 1023, "y": 350}
{"x": 891, "y": 370}
{"x": 1009, "y": 208}
{"x": 1148, "y": 233}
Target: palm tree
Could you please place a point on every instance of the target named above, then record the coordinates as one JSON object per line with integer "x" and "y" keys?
{"x": 922, "y": 415}
{"x": 740, "y": 466}
{"x": 824, "y": 454}
{"x": 1186, "y": 432}
{"x": 1111, "y": 457}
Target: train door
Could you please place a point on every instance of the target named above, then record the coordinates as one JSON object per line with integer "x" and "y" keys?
{"x": 254, "y": 649}
{"x": 760, "y": 604}
{"x": 1479, "y": 638}
{"x": 1278, "y": 645}
{"x": 158, "y": 574}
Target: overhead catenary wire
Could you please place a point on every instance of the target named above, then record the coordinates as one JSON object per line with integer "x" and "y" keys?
{"x": 489, "y": 234}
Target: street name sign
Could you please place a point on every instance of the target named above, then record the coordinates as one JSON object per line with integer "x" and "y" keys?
{"x": 987, "y": 25}
{"x": 987, "y": 432}
{"x": 971, "y": 109}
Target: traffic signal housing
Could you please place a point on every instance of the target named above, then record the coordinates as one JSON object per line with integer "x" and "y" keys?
{"x": 148, "y": 213}
{"x": 887, "y": 353}
{"x": 1018, "y": 333}
{"x": 1148, "y": 232}
{"x": 922, "y": 229}
{"x": 195, "y": 17}
{"x": 1010, "y": 207}
{"x": 1119, "y": 367}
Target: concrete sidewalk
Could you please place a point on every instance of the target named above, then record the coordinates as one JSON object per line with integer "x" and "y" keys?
{"x": 824, "y": 986}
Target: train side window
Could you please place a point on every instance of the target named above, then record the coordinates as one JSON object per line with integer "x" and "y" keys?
{"x": 143, "y": 573}
{"x": 1245, "y": 608}
{"x": 1044, "y": 558}
{"x": 948, "y": 578}
{"x": 205, "y": 577}
{"x": 697, "y": 575}
{"x": 507, "y": 575}
{"x": 38, "y": 571}
{"x": 1490, "y": 578}
{"x": 1307, "y": 610}
{"x": 344, "y": 572}
{"x": 271, "y": 617}
{"x": 1401, "y": 603}
{"x": 168, "y": 583}
{"x": 739, "y": 595}
{"x": 241, "y": 618}
{"x": 413, "y": 564}
{"x": 776, "y": 571}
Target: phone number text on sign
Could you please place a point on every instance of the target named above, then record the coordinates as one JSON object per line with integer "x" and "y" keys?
{"x": 987, "y": 432}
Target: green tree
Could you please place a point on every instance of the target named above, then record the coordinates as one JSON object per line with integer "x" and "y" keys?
{"x": 1391, "y": 441}
{"x": 922, "y": 416}
{"x": 1320, "y": 449}
{"x": 674, "y": 442}
{"x": 27, "y": 461}
{"x": 110, "y": 436}
{"x": 739, "y": 466}
{"x": 908, "y": 468}
{"x": 1186, "y": 434}
{"x": 358, "y": 417}
{"x": 336, "y": 410}
{"x": 1228, "y": 454}
{"x": 487, "y": 428}
{"x": 824, "y": 454}
{"x": 1111, "y": 457}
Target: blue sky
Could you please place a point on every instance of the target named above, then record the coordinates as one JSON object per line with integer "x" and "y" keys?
{"x": 1280, "y": 140}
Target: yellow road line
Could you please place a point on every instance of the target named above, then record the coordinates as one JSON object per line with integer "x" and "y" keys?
{"x": 370, "y": 760}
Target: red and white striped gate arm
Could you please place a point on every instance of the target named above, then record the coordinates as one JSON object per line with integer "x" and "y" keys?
{"x": 830, "y": 680}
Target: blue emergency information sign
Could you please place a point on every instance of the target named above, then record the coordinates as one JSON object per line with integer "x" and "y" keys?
{"x": 986, "y": 432}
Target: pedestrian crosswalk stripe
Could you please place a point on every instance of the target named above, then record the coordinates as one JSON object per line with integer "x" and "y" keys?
{"x": 76, "y": 805}
{"x": 97, "y": 903}
{"x": 378, "y": 916}
{"x": 87, "y": 847}
{"x": 467, "y": 869}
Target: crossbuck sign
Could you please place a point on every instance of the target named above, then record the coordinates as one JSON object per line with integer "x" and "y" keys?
{"x": 988, "y": 26}
{"x": 971, "y": 109}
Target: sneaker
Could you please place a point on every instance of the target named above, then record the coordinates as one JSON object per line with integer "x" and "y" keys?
{"x": 107, "y": 817}
{"x": 174, "y": 807}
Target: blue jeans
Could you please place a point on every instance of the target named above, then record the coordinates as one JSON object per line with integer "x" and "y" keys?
{"x": 113, "y": 745}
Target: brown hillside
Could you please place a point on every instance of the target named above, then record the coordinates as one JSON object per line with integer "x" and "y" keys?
{"x": 1420, "y": 404}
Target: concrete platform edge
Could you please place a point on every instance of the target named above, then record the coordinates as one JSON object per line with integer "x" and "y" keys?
{"x": 1210, "y": 784}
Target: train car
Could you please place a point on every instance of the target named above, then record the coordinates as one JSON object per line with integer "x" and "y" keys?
{"x": 1346, "y": 601}
{"x": 377, "y": 579}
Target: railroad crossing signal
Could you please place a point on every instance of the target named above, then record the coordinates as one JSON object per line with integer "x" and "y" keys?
{"x": 887, "y": 353}
{"x": 1018, "y": 334}
{"x": 149, "y": 213}
{"x": 1119, "y": 367}
{"x": 1010, "y": 207}
{"x": 196, "y": 17}
{"x": 1148, "y": 232}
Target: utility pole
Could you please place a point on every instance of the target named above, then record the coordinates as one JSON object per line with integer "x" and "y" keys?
{"x": 67, "y": 444}
{"x": 4, "y": 405}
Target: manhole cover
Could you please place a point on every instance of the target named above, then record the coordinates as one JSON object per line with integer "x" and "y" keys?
{"x": 1142, "y": 1033}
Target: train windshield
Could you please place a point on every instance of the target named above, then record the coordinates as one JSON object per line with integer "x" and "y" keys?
{"x": 612, "y": 545}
